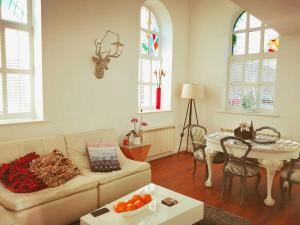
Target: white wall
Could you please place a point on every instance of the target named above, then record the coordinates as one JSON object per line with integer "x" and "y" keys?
{"x": 74, "y": 100}
{"x": 211, "y": 22}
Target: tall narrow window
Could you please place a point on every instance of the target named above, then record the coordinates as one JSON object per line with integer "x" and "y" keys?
{"x": 16, "y": 64}
{"x": 150, "y": 58}
{"x": 252, "y": 66}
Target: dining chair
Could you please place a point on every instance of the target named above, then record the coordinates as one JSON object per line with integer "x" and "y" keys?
{"x": 238, "y": 165}
{"x": 274, "y": 132}
{"x": 198, "y": 133}
{"x": 290, "y": 174}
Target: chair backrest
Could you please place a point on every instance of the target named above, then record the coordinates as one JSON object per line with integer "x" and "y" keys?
{"x": 235, "y": 141}
{"x": 198, "y": 133}
{"x": 274, "y": 132}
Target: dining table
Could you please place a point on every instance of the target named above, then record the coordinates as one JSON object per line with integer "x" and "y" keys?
{"x": 269, "y": 156}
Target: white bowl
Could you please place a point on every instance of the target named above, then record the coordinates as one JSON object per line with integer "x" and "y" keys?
{"x": 136, "y": 211}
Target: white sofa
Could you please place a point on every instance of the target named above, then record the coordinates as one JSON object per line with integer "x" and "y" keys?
{"x": 67, "y": 203}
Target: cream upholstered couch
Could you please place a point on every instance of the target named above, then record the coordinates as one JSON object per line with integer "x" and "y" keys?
{"x": 67, "y": 203}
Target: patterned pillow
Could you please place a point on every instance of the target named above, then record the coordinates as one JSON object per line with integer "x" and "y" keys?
{"x": 17, "y": 177}
{"x": 103, "y": 157}
{"x": 54, "y": 169}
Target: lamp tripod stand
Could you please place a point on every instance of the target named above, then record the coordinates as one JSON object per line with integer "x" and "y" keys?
{"x": 188, "y": 122}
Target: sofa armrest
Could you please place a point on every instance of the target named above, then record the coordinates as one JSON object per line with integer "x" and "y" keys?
{"x": 134, "y": 162}
{"x": 7, "y": 218}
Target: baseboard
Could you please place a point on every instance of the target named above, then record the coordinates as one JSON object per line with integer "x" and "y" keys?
{"x": 153, "y": 157}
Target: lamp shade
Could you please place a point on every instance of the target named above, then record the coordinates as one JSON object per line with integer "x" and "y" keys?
{"x": 192, "y": 91}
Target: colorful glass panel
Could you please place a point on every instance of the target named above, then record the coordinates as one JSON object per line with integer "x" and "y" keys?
{"x": 154, "y": 24}
{"x": 154, "y": 44}
{"x": 144, "y": 42}
{"x": 14, "y": 10}
{"x": 271, "y": 42}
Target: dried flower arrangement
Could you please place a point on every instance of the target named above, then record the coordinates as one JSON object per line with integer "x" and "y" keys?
{"x": 245, "y": 130}
{"x": 159, "y": 74}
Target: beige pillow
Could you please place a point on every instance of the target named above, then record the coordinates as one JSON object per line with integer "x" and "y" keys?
{"x": 54, "y": 169}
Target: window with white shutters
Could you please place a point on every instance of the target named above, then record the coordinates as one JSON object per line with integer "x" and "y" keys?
{"x": 150, "y": 59}
{"x": 252, "y": 66}
{"x": 16, "y": 64}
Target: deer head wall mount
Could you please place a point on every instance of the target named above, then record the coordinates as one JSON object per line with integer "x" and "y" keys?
{"x": 103, "y": 57}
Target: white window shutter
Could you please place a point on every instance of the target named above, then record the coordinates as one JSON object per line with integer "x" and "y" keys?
{"x": 18, "y": 93}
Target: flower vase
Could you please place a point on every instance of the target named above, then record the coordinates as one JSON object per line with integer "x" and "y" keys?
{"x": 136, "y": 140}
{"x": 158, "y": 97}
{"x": 141, "y": 134}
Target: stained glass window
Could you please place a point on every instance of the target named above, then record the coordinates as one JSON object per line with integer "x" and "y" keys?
{"x": 150, "y": 39}
{"x": 271, "y": 42}
{"x": 150, "y": 58}
{"x": 14, "y": 10}
{"x": 252, "y": 65}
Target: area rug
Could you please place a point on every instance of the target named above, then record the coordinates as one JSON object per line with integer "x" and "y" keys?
{"x": 216, "y": 216}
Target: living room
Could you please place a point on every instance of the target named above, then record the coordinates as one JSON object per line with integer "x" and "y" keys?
{"x": 92, "y": 68}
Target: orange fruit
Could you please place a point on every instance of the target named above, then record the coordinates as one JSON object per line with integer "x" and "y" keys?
{"x": 130, "y": 207}
{"x": 146, "y": 198}
{"x": 136, "y": 197}
{"x": 139, "y": 204}
{"x": 131, "y": 201}
{"x": 120, "y": 207}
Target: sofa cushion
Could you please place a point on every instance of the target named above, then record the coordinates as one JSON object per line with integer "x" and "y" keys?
{"x": 130, "y": 167}
{"x": 77, "y": 146}
{"x": 103, "y": 157}
{"x": 17, "y": 202}
{"x": 10, "y": 150}
{"x": 54, "y": 169}
{"x": 17, "y": 177}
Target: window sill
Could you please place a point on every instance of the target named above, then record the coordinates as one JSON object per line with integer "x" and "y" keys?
{"x": 20, "y": 121}
{"x": 155, "y": 111}
{"x": 250, "y": 113}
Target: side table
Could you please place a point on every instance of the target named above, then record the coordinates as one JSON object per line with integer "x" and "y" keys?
{"x": 136, "y": 152}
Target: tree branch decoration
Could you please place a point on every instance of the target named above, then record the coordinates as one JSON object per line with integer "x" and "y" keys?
{"x": 103, "y": 57}
{"x": 159, "y": 74}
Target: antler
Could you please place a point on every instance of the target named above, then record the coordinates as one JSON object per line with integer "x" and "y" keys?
{"x": 116, "y": 53}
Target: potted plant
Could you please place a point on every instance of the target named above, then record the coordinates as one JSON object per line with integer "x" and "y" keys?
{"x": 137, "y": 129}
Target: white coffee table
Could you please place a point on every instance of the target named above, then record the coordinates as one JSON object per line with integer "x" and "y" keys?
{"x": 188, "y": 211}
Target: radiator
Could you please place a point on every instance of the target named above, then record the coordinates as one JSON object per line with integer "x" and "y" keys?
{"x": 162, "y": 139}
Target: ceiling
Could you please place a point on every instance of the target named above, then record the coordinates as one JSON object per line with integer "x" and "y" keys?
{"x": 282, "y": 15}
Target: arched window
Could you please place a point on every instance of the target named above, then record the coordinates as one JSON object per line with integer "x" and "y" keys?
{"x": 150, "y": 58}
{"x": 252, "y": 66}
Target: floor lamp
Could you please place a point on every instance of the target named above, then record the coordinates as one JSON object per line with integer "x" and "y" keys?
{"x": 191, "y": 92}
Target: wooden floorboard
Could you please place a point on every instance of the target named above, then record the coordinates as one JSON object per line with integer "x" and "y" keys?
{"x": 175, "y": 172}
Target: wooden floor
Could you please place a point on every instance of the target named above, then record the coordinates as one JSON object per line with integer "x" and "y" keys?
{"x": 175, "y": 172}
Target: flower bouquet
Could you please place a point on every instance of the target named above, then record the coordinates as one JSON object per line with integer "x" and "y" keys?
{"x": 137, "y": 129}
